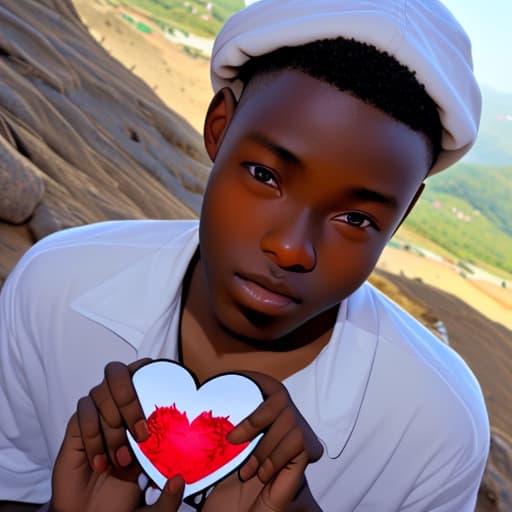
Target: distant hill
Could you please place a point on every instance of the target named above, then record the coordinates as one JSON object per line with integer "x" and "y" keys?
{"x": 487, "y": 189}
{"x": 494, "y": 143}
{"x": 468, "y": 211}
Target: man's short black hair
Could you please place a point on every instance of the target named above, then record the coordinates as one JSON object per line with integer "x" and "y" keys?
{"x": 371, "y": 75}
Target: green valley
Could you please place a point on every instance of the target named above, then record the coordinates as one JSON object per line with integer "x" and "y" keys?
{"x": 467, "y": 210}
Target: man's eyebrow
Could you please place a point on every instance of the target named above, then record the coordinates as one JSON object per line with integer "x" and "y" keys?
{"x": 360, "y": 193}
{"x": 366, "y": 194}
{"x": 280, "y": 151}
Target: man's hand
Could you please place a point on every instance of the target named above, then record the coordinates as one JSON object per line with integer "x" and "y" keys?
{"x": 95, "y": 471}
{"x": 272, "y": 480}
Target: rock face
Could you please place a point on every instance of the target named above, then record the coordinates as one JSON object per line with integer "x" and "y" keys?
{"x": 81, "y": 138}
{"x": 22, "y": 185}
{"x": 486, "y": 346}
{"x": 496, "y": 490}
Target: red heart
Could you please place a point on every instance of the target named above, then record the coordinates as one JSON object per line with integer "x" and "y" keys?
{"x": 193, "y": 450}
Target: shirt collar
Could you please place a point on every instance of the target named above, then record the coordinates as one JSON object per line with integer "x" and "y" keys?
{"x": 131, "y": 301}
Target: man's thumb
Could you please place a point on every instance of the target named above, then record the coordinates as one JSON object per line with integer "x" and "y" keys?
{"x": 170, "y": 499}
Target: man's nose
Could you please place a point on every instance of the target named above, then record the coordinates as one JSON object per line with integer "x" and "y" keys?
{"x": 290, "y": 242}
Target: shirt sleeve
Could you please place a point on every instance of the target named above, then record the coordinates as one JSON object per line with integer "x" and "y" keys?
{"x": 24, "y": 466}
{"x": 453, "y": 490}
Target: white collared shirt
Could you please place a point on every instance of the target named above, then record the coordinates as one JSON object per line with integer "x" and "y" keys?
{"x": 400, "y": 415}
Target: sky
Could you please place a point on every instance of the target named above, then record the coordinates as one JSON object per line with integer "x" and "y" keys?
{"x": 489, "y": 25}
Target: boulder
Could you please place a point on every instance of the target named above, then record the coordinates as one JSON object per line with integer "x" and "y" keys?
{"x": 21, "y": 185}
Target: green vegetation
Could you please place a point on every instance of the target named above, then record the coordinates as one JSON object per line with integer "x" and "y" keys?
{"x": 473, "y": 214}
{"x": 187, "y": 15}
{"x": 143, "y": 28}
{"x": 194, "y": 53}
{"x": 127, "y": 18}
{"x": 486, "y": 189}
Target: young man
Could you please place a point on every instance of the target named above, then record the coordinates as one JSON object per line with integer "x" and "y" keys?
{"x": 328, "y": 116}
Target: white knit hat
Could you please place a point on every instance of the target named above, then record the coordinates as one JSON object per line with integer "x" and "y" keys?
{"x": 420, "y": 34}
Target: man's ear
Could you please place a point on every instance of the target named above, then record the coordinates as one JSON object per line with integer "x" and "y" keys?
{"x": 219, "y": 115}
{"x": 411, "y": 206}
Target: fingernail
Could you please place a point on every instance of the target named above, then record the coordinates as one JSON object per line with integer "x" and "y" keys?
{"x": 232, "y": 435}
{"x": 141, "y": 430}
{"x": 99, "y": 463}
{"x": 152, "y": 495}
{"x": 249, "y": 468}
{"x": 123, "y": 456}
{"x": 143, "y": 481}
{"x": 266, "y": 470}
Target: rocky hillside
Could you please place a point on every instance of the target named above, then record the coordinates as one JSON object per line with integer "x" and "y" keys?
{"x": 487, "y": 347}
{"x": 82, "y": 140}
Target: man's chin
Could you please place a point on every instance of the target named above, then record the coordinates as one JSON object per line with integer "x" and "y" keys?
{"x": 281, "y": 334}
{"x": 258, "y": 330}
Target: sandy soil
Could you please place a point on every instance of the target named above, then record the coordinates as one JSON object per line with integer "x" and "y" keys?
{"x": 499, "y": 294}
{"x": 182, "y": 82}
{"x": 491, "y": 300}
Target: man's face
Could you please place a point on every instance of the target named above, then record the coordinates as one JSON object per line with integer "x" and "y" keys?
{"x": 307, "y": 187}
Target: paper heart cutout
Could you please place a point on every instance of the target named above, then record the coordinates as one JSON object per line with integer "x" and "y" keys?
{"x": 188, "y": 424}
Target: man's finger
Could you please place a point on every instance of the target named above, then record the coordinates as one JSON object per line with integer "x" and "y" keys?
{"x": 273, "y": 437}
{"x": 267, "y": 384}
{"x": 90, "y": 430}
{"x": 71, "y": 450}
{"x": 288, "y": 449}
{"x": 119, "y": 379}
{"x": 280, "y": 495}
{"x": 261, "y": 418}
{"x": 170, "y": 498}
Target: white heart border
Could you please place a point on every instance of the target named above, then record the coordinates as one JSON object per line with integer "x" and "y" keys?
{"x": 188, "y": 379}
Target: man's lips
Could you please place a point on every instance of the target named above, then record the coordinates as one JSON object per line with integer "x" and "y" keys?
{"x": 265, "y": 292}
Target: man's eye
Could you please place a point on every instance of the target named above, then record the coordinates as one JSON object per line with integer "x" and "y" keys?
{"x": 357, "y": 220}
{"x": 262, "y": 174}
